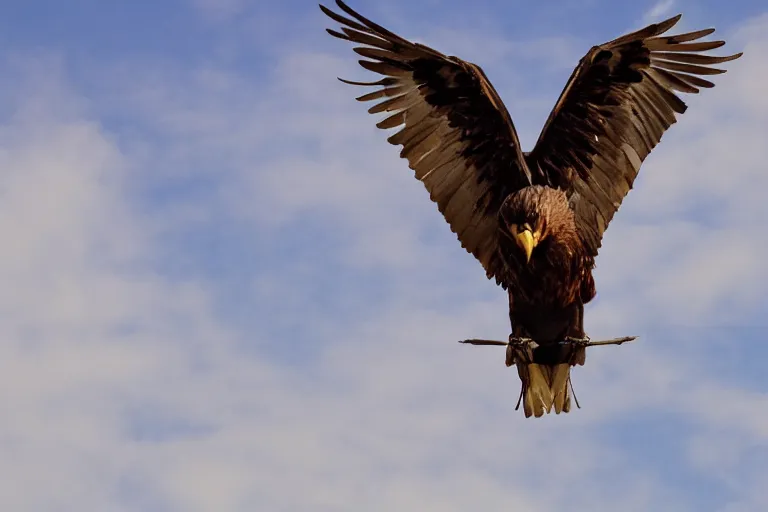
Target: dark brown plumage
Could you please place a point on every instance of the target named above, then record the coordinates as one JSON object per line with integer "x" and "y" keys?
{"x": 534, "y": 220}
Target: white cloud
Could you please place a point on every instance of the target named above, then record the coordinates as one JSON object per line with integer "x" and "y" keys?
{"x": 658, "y": 11}
{"x": 126, "y": 390}
{"x": 86, "y": 328}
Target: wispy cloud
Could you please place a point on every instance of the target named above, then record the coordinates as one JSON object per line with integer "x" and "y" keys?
{"x": 658, "y": 10}
{"x": 225, "y": 291}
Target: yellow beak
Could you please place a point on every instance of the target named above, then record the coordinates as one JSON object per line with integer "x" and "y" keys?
{"x": 525, "y": 241}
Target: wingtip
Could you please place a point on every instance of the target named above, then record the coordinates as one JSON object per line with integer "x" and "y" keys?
{"x": 326, "y": 10}
{"x": 350, "y": 82}
{"x": 344, "y": 7}
{"x": 728, "y": 58}
{"x": 667, "y": 24}
{"x": 672, "y": 21}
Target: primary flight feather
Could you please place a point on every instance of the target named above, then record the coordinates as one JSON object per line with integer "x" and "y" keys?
{"x": 534, "y": 220}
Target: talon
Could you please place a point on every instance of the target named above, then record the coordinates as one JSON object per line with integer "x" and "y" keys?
{"x": 514, "y": 340}
{"x": 577, "y": 341}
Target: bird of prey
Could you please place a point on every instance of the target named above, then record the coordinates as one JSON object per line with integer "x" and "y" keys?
{"x": 534, "y": 220}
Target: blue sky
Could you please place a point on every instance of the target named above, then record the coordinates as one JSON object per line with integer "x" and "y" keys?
{"x": 224, "y": 291}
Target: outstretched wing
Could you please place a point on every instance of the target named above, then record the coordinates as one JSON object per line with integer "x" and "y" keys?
{"x": 456, "y": 133}
{"x": 619, "y": 101}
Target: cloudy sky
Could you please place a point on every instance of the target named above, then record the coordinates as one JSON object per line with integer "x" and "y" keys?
{"x": 223, "y": 291}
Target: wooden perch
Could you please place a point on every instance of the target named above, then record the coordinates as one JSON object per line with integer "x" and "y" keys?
{"x": 526, "y": 346}
{"x": 586, "y": 342}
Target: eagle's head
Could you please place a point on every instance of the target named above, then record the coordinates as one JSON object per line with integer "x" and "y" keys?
{"x": 531, "y": 215}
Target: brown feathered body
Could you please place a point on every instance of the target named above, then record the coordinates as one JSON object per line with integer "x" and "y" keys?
{"x": 558, "y": 277}
{"x": 461, "y": 143}
{"x": 546, "y": 295}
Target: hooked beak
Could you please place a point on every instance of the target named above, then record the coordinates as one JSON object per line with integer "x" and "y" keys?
{"x": 525, "y": 240}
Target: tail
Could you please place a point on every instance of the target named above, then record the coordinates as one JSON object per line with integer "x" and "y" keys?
{"x": 545, "y": 387}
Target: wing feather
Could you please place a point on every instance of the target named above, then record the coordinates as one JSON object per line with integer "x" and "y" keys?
{"x": 454, "y": 131}
{"x": 613, "y": 111}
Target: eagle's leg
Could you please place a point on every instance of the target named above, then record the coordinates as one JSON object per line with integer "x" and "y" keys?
{"x": 576, "y": 334}
{"x": 520, "y": 353}
{"x": 510, "y": 358}
{"x": 517, "y": 344}
{"x": 579, "y": 349}
{"x": 518, "y": 336}
{"x": 579, "y": 327}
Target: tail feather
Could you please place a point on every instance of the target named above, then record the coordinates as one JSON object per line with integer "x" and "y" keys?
{"x": 558, "y": 385}
{"x": 545, "y": 387}
{"x": 537, "y": 398}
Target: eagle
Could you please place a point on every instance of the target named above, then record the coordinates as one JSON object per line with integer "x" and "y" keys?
{"x": 534, "y": 220}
